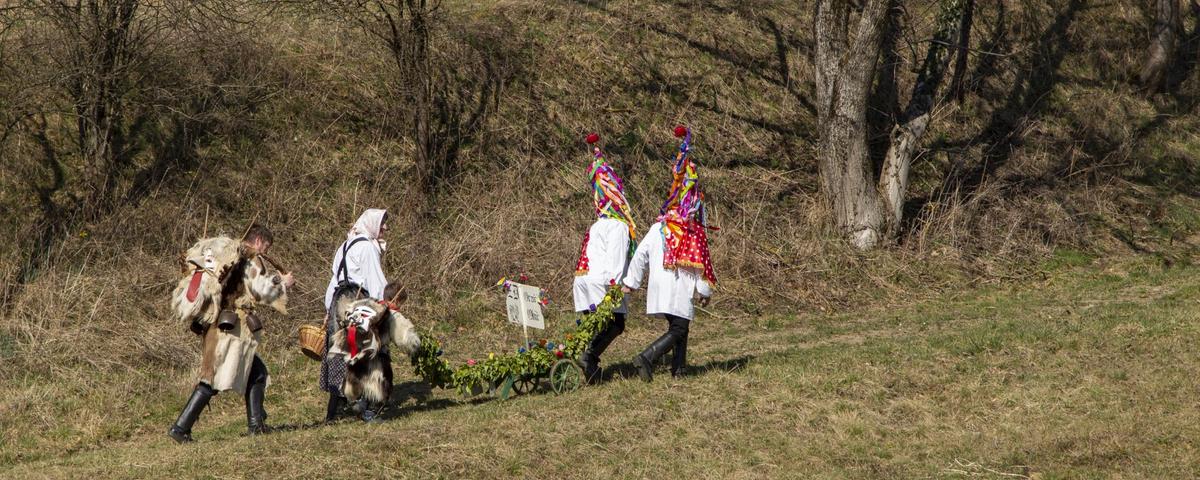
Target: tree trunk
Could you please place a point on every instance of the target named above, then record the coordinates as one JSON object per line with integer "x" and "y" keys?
{"x": 906, "y": 136}
{"x": 407, "y": 36}
{"x": 100, "y": 37}
{"x": 421, "y": 85}
{"x": 1153, "y": 76}
{"x": 964, "y": 46}
{"x": 844, "y": 74}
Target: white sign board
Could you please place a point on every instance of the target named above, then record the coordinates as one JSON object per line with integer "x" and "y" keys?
{"x": 524, "y": 306}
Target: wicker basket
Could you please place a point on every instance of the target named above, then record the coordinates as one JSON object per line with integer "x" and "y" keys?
{"x": 312, "y": 341}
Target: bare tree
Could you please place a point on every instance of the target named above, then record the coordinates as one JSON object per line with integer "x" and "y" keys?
{"x": 911, "y": 126}
{"x": 957, "y": 89}
{"x": 1153, "y": 75}
{"x": 99, "y": 99}
{"x": 403, "y": 25}
{"x": 444, "y": 91}
{"x": 102, "y": 43}
{"x": 845, "y": 71}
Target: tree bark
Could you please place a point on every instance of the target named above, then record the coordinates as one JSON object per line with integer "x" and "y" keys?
{"x": 964, "y": 46}
{"x": 1153, "y": 75}
{"x": 845, "y": 72}
{"x": 906, "y": 136}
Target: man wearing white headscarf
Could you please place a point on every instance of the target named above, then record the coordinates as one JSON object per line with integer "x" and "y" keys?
{"x": 358, "y": 272}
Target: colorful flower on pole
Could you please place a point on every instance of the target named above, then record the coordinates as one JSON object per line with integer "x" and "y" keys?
{"x": 521, "y": 350}
{"x": 491, "y": 356}
{"x": 558, "y": 353}
{"x": 471, "y": 362}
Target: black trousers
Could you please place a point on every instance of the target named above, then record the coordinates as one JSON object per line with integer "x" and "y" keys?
{"x": 258, "y": 373}
{"x": 605, "y": 337}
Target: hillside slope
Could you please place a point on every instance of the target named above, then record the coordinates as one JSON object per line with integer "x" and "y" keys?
{"x": 1050, "y": 158}
{"x": 1086, "y": 373}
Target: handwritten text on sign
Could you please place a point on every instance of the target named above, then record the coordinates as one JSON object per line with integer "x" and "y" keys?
{"x": 523, "y": 305}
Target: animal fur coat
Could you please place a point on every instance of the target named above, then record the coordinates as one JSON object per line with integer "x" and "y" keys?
{"x": 226, "y": 356}
{"x": 373, "y": 327}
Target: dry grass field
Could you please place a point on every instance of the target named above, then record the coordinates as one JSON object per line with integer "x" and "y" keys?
{"x": 1084, "y": 371}
{"x": 1035, "y": 320}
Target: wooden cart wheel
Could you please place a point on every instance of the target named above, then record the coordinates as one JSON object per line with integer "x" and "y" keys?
{"x": 515, "y": 384}
{"x": 566, "y": 376}
{"x": 524, "y": 384}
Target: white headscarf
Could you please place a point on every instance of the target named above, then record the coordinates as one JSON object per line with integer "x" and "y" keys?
{"x": 368, "y": 225}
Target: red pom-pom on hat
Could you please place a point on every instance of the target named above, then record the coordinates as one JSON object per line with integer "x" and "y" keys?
{"x": 592, "y": 138}
{"x": 680, "y": 131}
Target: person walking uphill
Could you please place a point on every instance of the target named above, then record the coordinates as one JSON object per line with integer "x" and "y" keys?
{"x": 603, "y": 256}
{"x": 226, "y": 280}
{"x": 674, "y": 256}
{"x": 357, "y": 272}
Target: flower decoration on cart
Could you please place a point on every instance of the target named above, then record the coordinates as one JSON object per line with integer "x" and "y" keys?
{"x": 521, "y": 369}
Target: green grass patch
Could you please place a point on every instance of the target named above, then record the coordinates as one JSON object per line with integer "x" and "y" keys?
{"x": 1086, "y": 374}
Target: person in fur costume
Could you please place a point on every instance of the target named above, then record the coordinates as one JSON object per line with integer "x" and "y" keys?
{"x": 603, "y": 255}
{"x": 674, "y": 256}
{"x": 227, "y": 324}
{"x": 362, "y": 342}
{"x": 357, "y": 274}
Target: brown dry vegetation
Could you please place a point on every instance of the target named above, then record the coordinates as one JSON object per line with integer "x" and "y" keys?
{"x": 1051, "y": 150}
{"x": 1084, "y": 374}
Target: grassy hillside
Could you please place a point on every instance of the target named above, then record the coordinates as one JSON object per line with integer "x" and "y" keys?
{"x": 1085, "y": 373}
{"x": 963, "y": 341}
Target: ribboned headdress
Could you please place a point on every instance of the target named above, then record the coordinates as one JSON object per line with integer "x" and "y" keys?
{"x": 608, "y": 198}
{"x": 683, "y": 217}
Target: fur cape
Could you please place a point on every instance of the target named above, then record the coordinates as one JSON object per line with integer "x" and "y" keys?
{"x": 368, "y": 370}
{"x": 208, "y": 264}
{"x": 226, "y": 357}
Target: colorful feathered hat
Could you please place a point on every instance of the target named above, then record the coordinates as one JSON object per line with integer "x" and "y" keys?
{"x": 684, "y": 220}
{"x": 608, "y": 198}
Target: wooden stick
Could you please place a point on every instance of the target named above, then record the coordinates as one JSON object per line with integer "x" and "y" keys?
{"x": 275, "y": 264}
{"x": 248, "y": 225}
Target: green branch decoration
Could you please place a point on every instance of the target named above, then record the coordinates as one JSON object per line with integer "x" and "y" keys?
{"x": 532, "y": 360}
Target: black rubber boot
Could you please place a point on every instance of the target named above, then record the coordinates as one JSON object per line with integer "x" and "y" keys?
{"x": 181, "y": 431}
{"x": 679, "y": 350}
{"x": 604, "y": 338}
{"x": 256, "y": 415}
{"x": 334, "y": 409}
{"x": 645, "y": 361}
{"x": 591, "y": 367}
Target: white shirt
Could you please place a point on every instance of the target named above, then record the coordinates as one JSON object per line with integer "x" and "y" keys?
{"x": 607, "y": 253}
{"x": 667, "y": 291}
{"x": 364, "y": 266}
